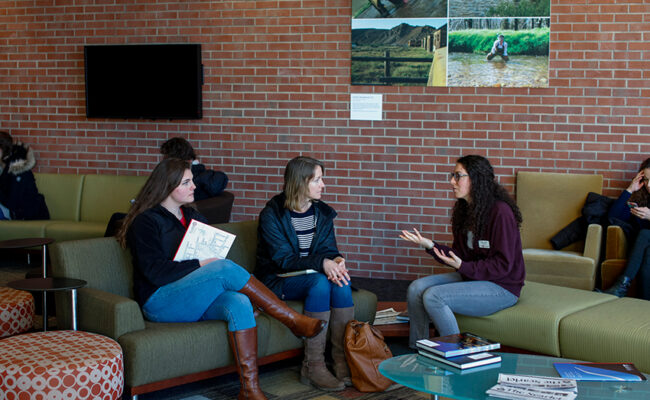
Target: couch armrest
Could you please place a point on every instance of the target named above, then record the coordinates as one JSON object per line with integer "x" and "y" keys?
{"x": 107, "y": 313}
{"x": 616, "y": 246}
{"x": 216, "y": 209}
{"x": 593, "y": 242}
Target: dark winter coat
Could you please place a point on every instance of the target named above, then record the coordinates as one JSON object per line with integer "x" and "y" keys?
{"x": 278, "y": 250}
{"x": 18, "y": 190}
{"x": 209, "y": 183}
{"x": 593, "y": 212}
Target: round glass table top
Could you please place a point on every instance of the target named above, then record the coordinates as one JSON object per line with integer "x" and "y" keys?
{"x": 426, "y": 375}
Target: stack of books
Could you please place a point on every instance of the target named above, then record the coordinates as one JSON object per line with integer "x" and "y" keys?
{"x": 462, "y": 350}
{"x": 389, "y": 316}
{"x": 512, "y": 386}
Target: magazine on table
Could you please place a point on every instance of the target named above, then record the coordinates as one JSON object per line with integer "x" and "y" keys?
{"x": 513, "y": 386}
{"x": 440, "y": 368}
{"x": 593, "y": 371}
{"x": 465, "y": 361}
{"x": 387, "y": 316}
{"x": 202, "y": 241}
{"x": 457, "y": 344}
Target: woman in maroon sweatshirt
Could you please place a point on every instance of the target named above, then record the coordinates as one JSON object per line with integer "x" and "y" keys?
{"x": 485, "y": 255}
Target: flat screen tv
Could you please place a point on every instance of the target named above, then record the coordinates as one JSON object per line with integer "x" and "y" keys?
{"x": 151, "y": 81}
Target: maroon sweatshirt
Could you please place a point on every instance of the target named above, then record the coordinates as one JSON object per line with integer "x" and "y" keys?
{"x": 496, "y": 256}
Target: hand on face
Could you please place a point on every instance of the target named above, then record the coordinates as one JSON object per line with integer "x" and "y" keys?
{"x": 637, "y": 182}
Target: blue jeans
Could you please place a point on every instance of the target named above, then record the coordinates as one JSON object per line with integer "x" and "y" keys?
{"x": 318, "y": 292}
{"x": 639, "y": 263}
{"x": 208, "y": 293}
{"x": 436, "y": 298}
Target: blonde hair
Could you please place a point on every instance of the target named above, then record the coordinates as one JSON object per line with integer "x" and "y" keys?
{"x": 299, "y": 171}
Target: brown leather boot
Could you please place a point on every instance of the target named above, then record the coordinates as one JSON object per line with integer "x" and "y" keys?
{"x": 244, "y": 348}
{"x": 314, "y": 371}
{"x": 338, "y": 320}
{"x": 262, "y": 297}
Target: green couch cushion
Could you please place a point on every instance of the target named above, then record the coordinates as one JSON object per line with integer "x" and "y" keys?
{"x": 71, "y": 230}
{"x": 561, "y": 268}
{"x": 244, "y": 248}
{"x": 533, "y": 322}
{"x": 616, "y": 331}
{"x": 22, "y": 229}
{"x": 104, "y": 195}
{"x": 62, "y": 194}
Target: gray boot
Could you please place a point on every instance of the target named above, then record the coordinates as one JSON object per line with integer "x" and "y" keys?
{"x": 314, "y": 371}
{"x": 338, "y": 320}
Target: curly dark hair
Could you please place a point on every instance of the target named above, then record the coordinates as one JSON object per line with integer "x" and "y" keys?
{"x": 641, "y": 196}
{"x": 6, "y": 144}
{"x": 177, "y": 147}
{"x": 484, "y": 192}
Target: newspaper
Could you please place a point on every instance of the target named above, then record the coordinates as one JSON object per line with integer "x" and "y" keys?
{"x": 388, "y": 316}
{"x": 202, "y": 241}
{"x": 518, "y": 387}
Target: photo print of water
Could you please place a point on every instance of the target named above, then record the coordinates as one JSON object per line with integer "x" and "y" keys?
{"x": 490, "y": 43}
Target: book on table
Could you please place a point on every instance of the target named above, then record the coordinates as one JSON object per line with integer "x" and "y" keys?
{"x": 465, "y": 361}
{"x": 594, "y": 371}
{"x": 456, "y": 344}
{"x": 403, "y": 316}
{"x": 388, "y": 316}
{"x": 202, "y": 241}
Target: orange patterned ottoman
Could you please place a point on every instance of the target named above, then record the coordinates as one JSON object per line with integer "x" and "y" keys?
{"x": 71, "y": 365}
{"x": 16, "y": 311}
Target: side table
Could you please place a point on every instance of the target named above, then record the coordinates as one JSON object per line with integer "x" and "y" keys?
{"x": 51, "y": 285}
{"x": 29, "y": 242}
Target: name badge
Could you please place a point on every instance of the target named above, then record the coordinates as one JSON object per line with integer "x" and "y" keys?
{"x": 484, "y": 244}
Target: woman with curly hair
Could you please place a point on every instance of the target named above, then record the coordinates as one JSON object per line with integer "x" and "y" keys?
{"x": 486, "y": 255}
{"x": 633, "y": 206}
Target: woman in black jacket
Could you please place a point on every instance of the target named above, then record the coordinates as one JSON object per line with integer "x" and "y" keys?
{"x": 194, "y": 290}
{"x": 19, "y": 197}
{"x": 297, "y": 258}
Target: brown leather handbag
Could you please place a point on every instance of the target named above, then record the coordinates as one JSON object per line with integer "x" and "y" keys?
{"x": 365, "y": 349}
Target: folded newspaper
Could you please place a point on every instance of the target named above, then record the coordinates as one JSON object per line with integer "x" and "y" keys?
{"x": 388, "y": 316}
{"x": 513, "y": 386}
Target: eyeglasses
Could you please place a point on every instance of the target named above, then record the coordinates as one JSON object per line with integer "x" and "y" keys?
{"x": 456, "y": 175}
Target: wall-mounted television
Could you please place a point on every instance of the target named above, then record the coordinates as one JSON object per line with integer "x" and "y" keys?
{"x": 151, "y": 81}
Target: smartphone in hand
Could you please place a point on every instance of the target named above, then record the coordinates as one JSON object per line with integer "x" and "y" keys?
{"x": 632, "y": 204}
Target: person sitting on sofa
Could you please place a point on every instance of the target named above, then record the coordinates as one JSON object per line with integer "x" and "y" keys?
{"x": 19, "y": 197}
{"x": 295, "y": 235}
{"x": 633, "y": 207}
{"x": 194, "y": 290}
{"x": 486, "y": 255}
{"x": 209, "y": 183}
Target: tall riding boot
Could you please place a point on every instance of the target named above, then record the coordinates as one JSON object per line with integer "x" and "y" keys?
{"x": 620, "y": 287}
{"x": 314, "y": 371}
{"x": 262, "y": 297}
{"x": 338, "y": 321}
{"x": 244, "y": 348}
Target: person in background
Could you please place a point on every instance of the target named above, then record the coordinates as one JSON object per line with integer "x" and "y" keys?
{"x": 486, "y": 255}
{"x": 633, "y": 206}
{"x": 209, "y": 183}
{"x": 295, "y": 235}
{"x": 19, "y": 197}
{"x": 500, "y": 47}
{"x": 194, "y": 290}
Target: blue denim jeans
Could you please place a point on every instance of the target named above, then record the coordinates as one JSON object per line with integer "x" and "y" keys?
{"x": 436, "y": 298}
{"x": 639, "y": 262}
{"x": 208, "y": 293}
{"x": 318, "y": 292}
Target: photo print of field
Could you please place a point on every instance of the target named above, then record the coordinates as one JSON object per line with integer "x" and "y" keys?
{"x": 399, "y": 52}
{"x": 493, "y": 43}
{"x": 475, "y": 59}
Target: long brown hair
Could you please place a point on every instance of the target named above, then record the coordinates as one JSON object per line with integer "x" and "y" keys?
{"x": 299, "y": 171}
{"x": 164, "y": 178}
{"x": 641, "y": 196}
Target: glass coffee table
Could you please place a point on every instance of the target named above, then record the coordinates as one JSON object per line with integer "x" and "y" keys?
{"x": 425, "y": 375}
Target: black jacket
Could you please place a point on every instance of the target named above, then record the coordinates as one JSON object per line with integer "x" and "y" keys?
{"x": 209, "y": 183}
{"x": 277, "y": 243}
{"x": 18, "y": 190}
{"x": 593, "y": 212}
{"x": 153, "y": 238}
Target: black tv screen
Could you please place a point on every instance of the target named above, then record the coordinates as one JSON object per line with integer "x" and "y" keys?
{"x": 152, "y": 81}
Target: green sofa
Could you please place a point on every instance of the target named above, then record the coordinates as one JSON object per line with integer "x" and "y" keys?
{"x": 160, "y": 355}
{"x": 571, "y": 323}
{"x": 82, "y": 205}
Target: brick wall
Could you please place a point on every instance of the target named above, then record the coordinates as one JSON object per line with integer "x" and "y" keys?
{"x": 277, "y": 85}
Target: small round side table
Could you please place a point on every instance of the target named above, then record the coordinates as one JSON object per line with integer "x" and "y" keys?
{"x": 29, "y": 242}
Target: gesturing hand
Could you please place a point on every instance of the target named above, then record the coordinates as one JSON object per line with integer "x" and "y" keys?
{"x": 336, "y": 271}
{"x": 416, "y": 238}
{"x": 452, "y": 260}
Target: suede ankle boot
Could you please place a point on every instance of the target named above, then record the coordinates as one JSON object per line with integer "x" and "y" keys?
{"x": 314, "y": 371}
{"x": 338, "y": 321}
{"x": 620, "y": 287}
{"x": 262, "y": 297}
{"x": 244, "y": 348}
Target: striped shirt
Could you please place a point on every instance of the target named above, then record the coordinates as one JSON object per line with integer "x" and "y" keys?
{"x": 305, "y": 226}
